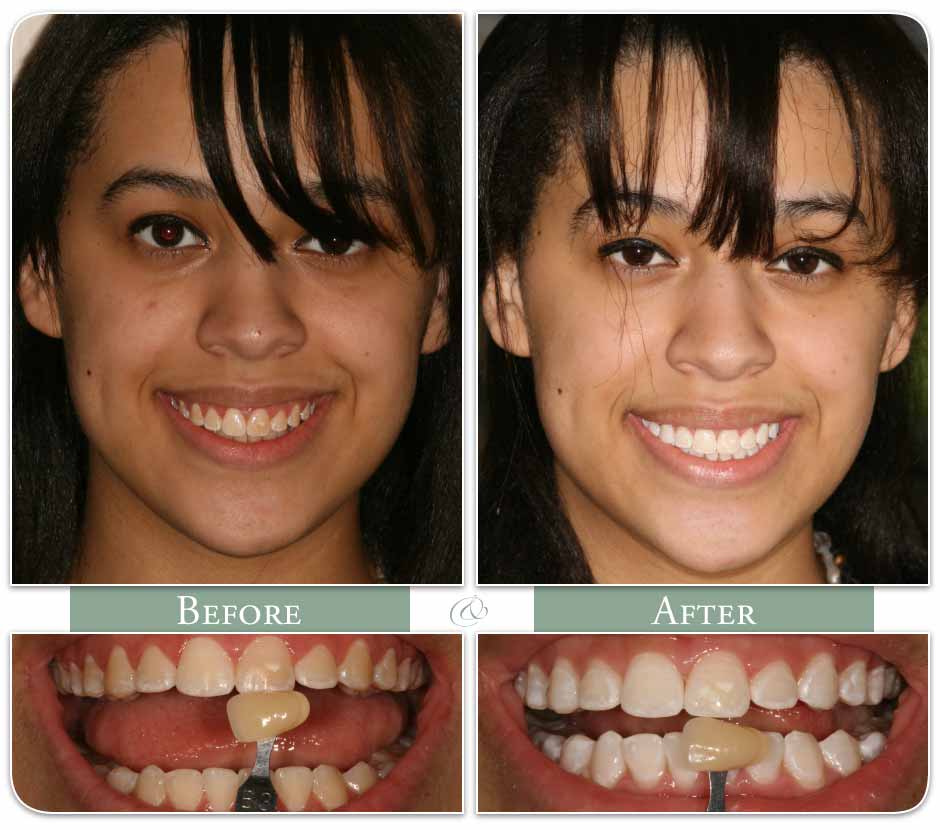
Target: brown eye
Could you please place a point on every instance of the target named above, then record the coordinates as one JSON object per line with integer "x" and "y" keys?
{"x": 167, "y": 232}
{"x": 637, "y": 253}
{"x": 332, "y": 244}
{"x": 803, "y": 263}
{"x": 807, "y": 262}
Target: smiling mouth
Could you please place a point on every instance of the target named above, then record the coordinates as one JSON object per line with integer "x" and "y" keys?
{"x": 144, "y": 722}
{"x": 246, "y": 425}
{"x": 635, "y": 723}
{"x": 715, "y": 445}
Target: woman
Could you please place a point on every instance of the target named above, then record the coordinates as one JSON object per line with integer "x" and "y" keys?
{"x": 236, "y": 335}
{"x": 703, "y": 251}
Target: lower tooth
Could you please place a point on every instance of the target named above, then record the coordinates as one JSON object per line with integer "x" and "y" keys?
{"x": 841, "y": 753}
{"x": 607, "y": 765}
{"x": 293, "y": 785}
{"x": 871, "y": 746}
{"x": 677, "y": 760}
{"x": 329, "y": 787}
{"x": 551, "y": 748}
{"x": 150, "y": 788}
{"x": 576, "y": 754}
{"x": 360, "y": 779}
{"x": 221, "y": 787}
{"x": 184, "y": 788}
{"x": 803, "y": 760}
{"x": 767, "y": 769}
{"x": 122, "y": 779}
{"x": 645, "y": 758}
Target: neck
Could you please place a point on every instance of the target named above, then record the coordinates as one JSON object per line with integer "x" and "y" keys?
{"x": 124, "y": 541}
{"x": 616, "y": 556}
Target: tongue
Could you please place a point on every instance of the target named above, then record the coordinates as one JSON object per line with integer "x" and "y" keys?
{"x": 175, "y": 731}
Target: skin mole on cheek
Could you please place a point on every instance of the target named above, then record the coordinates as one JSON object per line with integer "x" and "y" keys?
{"x": 559, "y": 390}
{"x": 88, "y": 372}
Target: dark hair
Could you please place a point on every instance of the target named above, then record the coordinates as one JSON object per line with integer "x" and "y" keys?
{"x": 547, "y": 86}
{"x": 408, "y": 68}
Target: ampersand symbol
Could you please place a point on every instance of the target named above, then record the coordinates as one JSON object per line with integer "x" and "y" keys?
{"x": 468, "y": 611}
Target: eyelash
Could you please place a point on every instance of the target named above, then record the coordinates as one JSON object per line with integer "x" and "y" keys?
{"x": 145, "y": 223}
{"x": 619, "y": 246}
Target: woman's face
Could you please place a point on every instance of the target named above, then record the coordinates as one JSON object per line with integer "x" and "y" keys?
{"x": 306, "y": 366}
{"x": 772, "y": 363}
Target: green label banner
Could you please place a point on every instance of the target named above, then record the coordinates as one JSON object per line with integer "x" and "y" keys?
{"x": 280, "y": 609}
{"x": 822, "y": 609}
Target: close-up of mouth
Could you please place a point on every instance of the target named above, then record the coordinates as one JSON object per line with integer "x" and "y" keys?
{"x": 179, "y": 723}
{"x": 735, "y": 450}
{"x": 240, "y": 433}
{"x": 640, "y": 722}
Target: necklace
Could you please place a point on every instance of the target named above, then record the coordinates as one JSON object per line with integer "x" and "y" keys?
{"x": 832, "y": 561}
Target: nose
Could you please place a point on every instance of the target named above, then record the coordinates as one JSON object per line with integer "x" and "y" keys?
{"x": 720, "y": 334}
{"x": 249, "y": 314}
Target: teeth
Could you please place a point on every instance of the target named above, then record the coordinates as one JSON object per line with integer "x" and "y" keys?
{"x": 766, "y": 769}
{"x": 221, "y": 787}
{"x": 841, "y": 753}
{"x": 122, "y": 779}
{"x": 183, "y": 788}
{"x": 717, "y": 687}
{"x": 205, "y": 669}
{"x": 119, "y": 675}
{"x": 819, "y": 683}
{"x": 600, "y": 687}
{"x": 536, "y": 693}
{"x": 150, "y": 787}
{"x": 242, "y": 426}
{"x": 715, "y": 745}
{"x": 265, "y": 666}
{"x": 876, "y": 685}
{"x": 645, "y": 758}
{"x": 652, "y": 687}
{"x": 552, "y": 747}
{"x": 360, "y": 779}
{"x": 92, "y": 678}
{"x": 259, "y": 423}
{"x": 576, "y": 754}
{"x": 404, "y": 675}
{"x": 195, "y": 415}
{"x": 258, "y": 715}
{"x": 155, "y": 671}
{"x": 774, "y": 686}
{"x": 871, "y": 746}
{"x": 317, "y": 669}
{"x": 279, "y": 422}
{"x": 385, "y": 673}
{"x": 853, "y": 684}
{"x": 212, "y": 422}
{"x": 75, "y": 680}
{"x": 607, "y": 764}
{"x": 355, "y": 671}
{"x": 803, "y": 760}
{"x": 293, "y": 420}
{"x": 715, "y": 445}
{"x": 563, "y": 687}
{"x": 677, "y": 761}
{"x": 329, "y": 787}
{"x": 892, "y": 682}
{"x": 293, "y": 785}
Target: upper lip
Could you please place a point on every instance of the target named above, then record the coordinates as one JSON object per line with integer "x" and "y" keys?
{"x": 706, "y": 417}
{"x": 245, "y": 397}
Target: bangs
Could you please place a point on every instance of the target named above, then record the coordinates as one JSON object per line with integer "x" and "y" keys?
{"x": 740, "y": 62}
{"x": 295, "y": 77}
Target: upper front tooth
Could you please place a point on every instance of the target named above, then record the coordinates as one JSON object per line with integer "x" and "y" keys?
{"x": 819, "y": 683}
{"x": 155, "y": 671}
{"x": 195, "y": 415}
{"x": 233, "y": 424}
{"x": 645, "y": 758}
{"x": 717, "y": 687}
{"x": 92, "y": 678}
{"x": 356, "y": 669}
{"x": 563, "y": 687}
{"x": 704, "y": 441}
{"x": 119, "y": 675}
{"x": 279, "y": 422}
{"x": 852, "y": 683}
{"x": 536, "y": 690}
{"x": 265, "y": 666}
{"x": 317, "y": 669}
{"x": 728, "y": 442}
{"x": 763, "y": 431}
{"x": 212, "y": 421}
{"x": 204, "y": 669}
{"x": 259, "y": 423}
{"x": 803, "y": 760}
{"x": 667, "y": 434}
{"x": 683, "y": 438}
{"x": 748, "y": 439}
{"x": 652, "y": 687}
{"x": 840, "y": 752}
{"x": 600, "y": 687}
{"x": 774, "y": 686}
{"x": 293, "y": 419}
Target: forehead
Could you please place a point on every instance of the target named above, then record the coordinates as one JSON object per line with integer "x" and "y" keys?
{"x": 813, "y": 148}
{"x": 146, "y": 119}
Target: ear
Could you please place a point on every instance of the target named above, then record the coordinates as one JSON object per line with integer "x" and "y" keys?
{"x": 504, "y": 310}
{"x": 898, "y": 342}
{"x": 37, "y": 296}
{"x": 436, "y": 332}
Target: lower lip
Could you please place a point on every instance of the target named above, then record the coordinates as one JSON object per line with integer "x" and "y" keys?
{"x": 237, "y": 455}
{"x": 707, "y": 473}
{"x": 871, "y": 789}
{"x": 392, "y": 794}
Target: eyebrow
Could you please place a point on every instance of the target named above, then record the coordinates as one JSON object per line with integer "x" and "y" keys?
{"x": 838, "y": 204}
{"x": 189, "y": 187}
